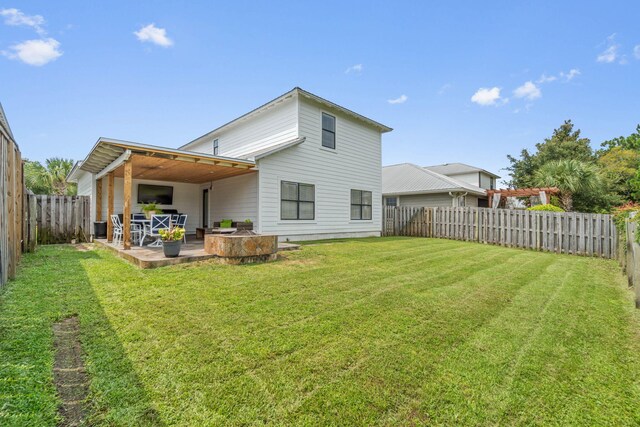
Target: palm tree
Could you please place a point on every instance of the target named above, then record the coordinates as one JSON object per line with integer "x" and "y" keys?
{"x": 570, "y": 177}
{"x": 51, "y": 178}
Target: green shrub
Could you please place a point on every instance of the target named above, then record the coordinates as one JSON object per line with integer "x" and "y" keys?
{"x": 546, "y": 208}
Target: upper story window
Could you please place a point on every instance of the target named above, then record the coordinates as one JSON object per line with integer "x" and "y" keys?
{"x": 297, "y": 201}
{"x": 360, "y": 204}
{"x": 328, "y": 131}
{"x": 215, "y": 147}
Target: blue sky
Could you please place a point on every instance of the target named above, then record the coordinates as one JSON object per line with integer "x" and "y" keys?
{"x": 472, "y": 81}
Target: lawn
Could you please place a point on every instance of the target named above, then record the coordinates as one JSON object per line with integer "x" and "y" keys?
{"x": 393, "y": 331}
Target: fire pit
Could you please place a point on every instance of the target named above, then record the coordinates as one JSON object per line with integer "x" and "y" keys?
{"x": 242, "y": 247}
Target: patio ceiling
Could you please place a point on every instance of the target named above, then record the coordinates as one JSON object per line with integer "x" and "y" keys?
{"x": 162, "y": 164}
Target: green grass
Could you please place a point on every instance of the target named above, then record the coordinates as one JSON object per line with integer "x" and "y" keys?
{"x": 393, "y": 331}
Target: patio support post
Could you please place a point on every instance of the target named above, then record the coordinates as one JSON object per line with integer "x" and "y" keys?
{"x": 99, "y": 200}
{"x": 126, "y": 232}
{"x": 110, "y": 179}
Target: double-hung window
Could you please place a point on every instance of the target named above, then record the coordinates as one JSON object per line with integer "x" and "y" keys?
{"x": 297, "y": 201}
{"x": 360, "y": 204}
{"x": 215, "y": 147}
{"x": 328, "y": 131}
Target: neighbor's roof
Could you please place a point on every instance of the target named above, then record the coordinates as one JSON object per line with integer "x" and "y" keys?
{"x": 108, "y": 150}
{"x": 5, "y": 123}
{"x": 457, "y": 169}
{"x": 407, "y": 178}
{"x": 296, "y": 91}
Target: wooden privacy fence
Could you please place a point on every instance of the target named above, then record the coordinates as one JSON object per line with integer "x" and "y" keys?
{"x": 561, "y": 232}
{"x": 630, "y": 257}
{"x": 11, "y": 202}
{"x": 60, "y": 219}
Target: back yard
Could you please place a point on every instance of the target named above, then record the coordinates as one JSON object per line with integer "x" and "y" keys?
{"x": 392, "y": 331}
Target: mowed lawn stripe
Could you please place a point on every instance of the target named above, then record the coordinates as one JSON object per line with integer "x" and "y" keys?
{"x": 383, "y": 331}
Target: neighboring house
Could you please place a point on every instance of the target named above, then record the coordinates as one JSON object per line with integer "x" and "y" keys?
{"x": 298, "y": 166}
{"x": 452, "y": 184}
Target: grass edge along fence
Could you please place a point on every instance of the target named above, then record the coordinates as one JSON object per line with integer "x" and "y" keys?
{"x": 561, "y": 232}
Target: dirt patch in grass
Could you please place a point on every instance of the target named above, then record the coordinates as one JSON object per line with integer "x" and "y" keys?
{"x": 82, "y": 247}
{"x": 69, "y": 375}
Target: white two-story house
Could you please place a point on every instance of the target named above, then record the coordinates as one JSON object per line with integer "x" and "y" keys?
{"x": 298, "y": 166}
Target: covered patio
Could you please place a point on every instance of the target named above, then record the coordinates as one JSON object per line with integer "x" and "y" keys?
{"x": 110, "y": 159}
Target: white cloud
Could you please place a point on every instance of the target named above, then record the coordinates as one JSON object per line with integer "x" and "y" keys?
{"x": 399, "y": 100}
{"x": 16, "y": 18}
{"x": 610, "y": 54}
{"x": 355, "y": 69}
{"x": 444, "y": 88}
{"x": 153, "y": 34}
{"x": 528, "y": 91}
{"x": 546, "y": 79}
{"x": 574, "y": 72}
{"x": 35, "y": 52}
{"x": 636, "y": 51}
{"x": 487, "y": 96}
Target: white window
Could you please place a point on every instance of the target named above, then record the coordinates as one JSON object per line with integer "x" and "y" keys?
{"x": 360, "y": 204}
{"x": 297, "y": 201}
{"x": 328, "y": 131}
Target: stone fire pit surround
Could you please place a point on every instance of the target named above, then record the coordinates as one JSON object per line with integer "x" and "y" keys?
{"x": 242, "y": 249}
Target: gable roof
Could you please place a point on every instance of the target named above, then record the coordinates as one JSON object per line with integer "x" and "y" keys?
{"x": 5, "y": 123}
{"x": 296, "y": 91}
{"x": 457, "y": 169}
{"x": 407, "y": 178}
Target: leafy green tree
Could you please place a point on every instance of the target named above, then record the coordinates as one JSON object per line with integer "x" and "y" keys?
{"x": 51, "y": 178}
{"x": 571, "y": 176}
{"x": 564, "y": 144}
{"x": 620, "y": 166}
{"x": 631, "y": 142}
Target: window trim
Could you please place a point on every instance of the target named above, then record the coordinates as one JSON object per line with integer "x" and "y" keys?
{"x": 361, "y": 205}
{"x": 297, "y": 201}
{"x": 216, "y": 147}
{"x": 333, "y": 132}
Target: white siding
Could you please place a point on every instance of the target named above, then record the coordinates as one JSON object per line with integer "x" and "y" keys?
{"x": 278, "y": 124}
{"x": 187, "y": 199}
{"x": 426, "y": 200}
{"x": 84, "y": 184}
{"x": 485, "y": 180}
{"x": 470, "y": 178}
{"x": 86, "y": 187}
{"x": 235, "y": 198}
{"x": 471, "y": 201}
{"x": 354, "y": 164}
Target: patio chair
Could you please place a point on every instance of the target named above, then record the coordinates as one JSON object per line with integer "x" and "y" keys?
{"x": 138, "y": 217}
{"x": 175, "y": 218}
{"x": 118, "y": 230}
{"x": 182, "y": 222}
{"x": 158, "y": 222}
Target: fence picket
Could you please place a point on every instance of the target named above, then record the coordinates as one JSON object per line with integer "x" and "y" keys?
{"x": 569, "y": 233}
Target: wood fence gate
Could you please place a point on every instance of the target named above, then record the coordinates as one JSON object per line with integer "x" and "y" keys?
{"x": 61, "y": 219}
{"x": 561, "y": 232}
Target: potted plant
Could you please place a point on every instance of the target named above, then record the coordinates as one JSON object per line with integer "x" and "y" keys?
{"x": 246, "y": 225}
{"x": 151, "y": 209}
{"x": 172, "y": 241}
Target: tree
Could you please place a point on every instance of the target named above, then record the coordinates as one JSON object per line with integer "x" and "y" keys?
{"x": 51, "y": 179}
{"x": 631, "y": 142}
{"x": 620, "y": 166}
{"x": 564, "y": 144}
{"x": 571, "y": 177}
